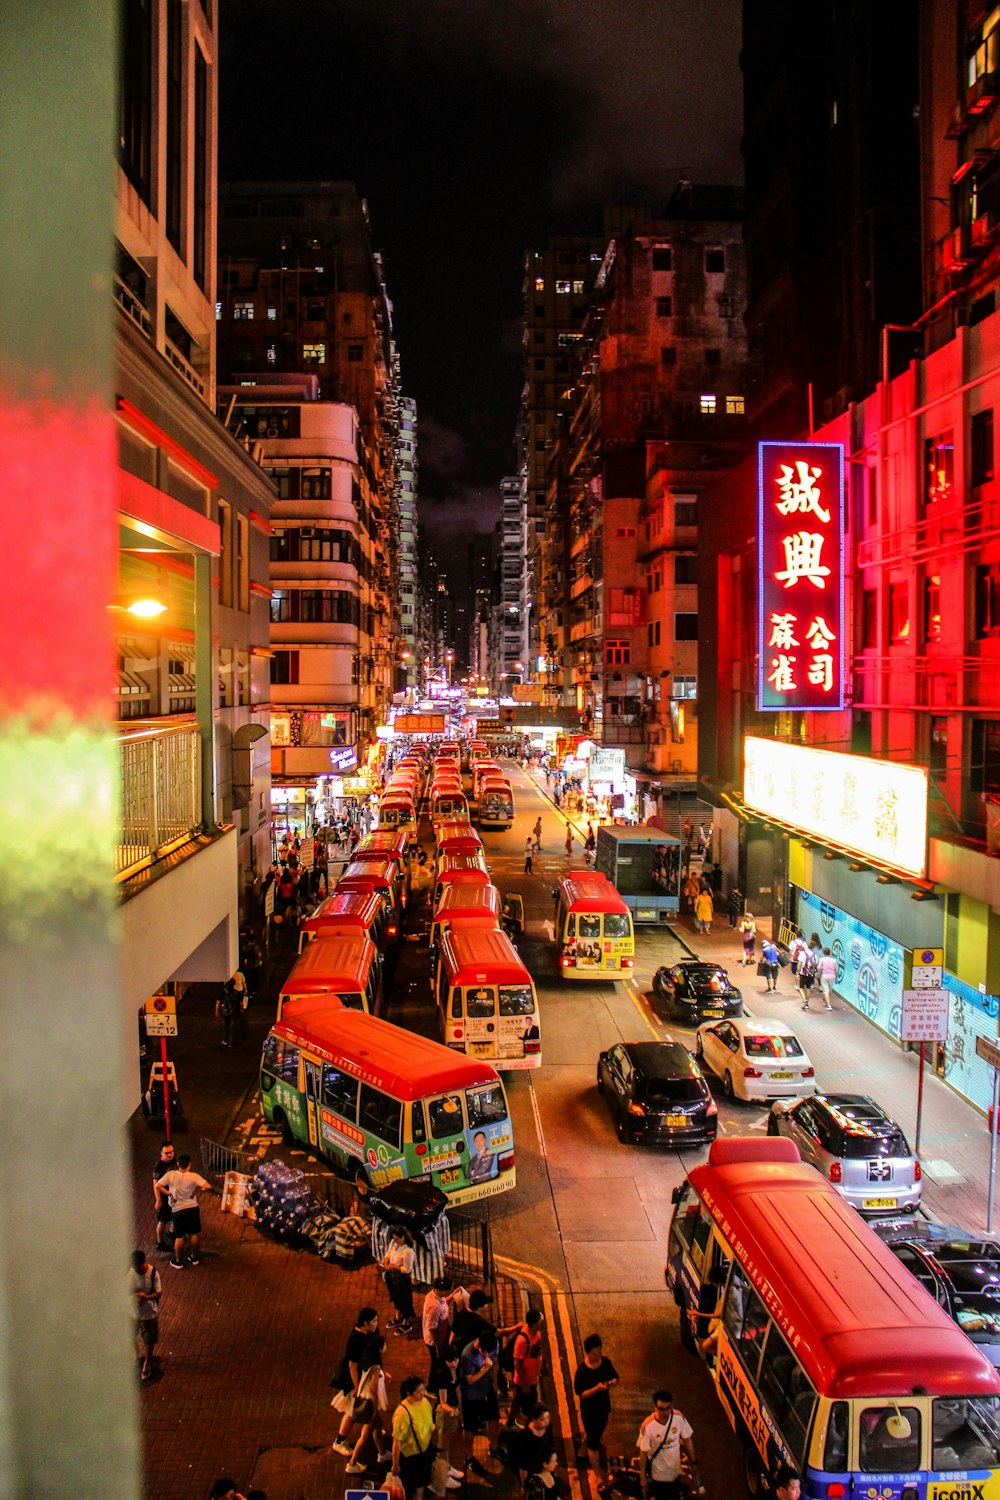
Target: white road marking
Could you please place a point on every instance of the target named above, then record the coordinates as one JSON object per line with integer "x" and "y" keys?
{"x": 538, "y": 1118}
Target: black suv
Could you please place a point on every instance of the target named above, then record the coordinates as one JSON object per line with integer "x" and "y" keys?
{"x": 961, "y": 1272}
{"x": 657, "y": 1094}
{"x": 697, "y": 991}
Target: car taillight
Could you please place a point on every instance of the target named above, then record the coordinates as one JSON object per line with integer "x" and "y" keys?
{"x": 808, "y": 1072}
{"x": 752, "y": 1073}
{"x": 711, "y": 1108}
{"x": 628, "y": 963}
{"x": 836, "y": 1491}
{"x": 505, "y": 1161}
{"x": 917, "y": 1171}
{"x": 535, "y": 1046}
{"x": 566, "y": 962}
{"x": 392, "y": 929}
{"x": 836, "y": 1171}
{"x": 635, "y": 1109}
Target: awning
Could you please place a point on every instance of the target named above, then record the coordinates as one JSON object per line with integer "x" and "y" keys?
{"x": 182, "y": 682}
{"x": 130, "y": 686}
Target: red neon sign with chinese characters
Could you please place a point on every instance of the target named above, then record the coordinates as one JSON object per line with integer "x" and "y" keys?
{"x": 800, "y": 547}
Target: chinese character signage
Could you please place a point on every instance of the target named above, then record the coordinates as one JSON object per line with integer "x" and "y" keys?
{"x": 876, "y": 809}
{"x": 800, "y": 542}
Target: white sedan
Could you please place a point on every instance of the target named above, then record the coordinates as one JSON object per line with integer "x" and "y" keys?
{"x": 756, "y": 1059}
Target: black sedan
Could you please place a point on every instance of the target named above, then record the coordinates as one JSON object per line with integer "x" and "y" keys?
{"x": 657, "y": 1094}
{"x": 697, "y": 991}
{"x": 962, "y": 1274}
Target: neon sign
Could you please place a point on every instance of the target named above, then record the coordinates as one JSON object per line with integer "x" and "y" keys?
{"x": 800, "y": 547}
{"x": 874, "y": 808}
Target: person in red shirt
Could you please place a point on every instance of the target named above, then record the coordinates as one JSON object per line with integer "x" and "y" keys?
{"x": 527, "y": 1364}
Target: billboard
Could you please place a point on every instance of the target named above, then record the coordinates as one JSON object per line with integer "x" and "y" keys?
{"x": 800, "y": 597}
{"x": 419, "y": 723}
{"x": 876, "y": 809}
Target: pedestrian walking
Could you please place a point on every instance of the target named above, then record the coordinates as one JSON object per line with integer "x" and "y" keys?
{"x": 736, "y": 904}
{"x": 347, "y": 1376}
{"x": 443, "y": 1389}
{"x": 144, "y": 1289}
{"x": 787, "y": 1483}
{"x": 689, "y": 893}
{"x": 530, "y": 1448}
{"x": 768, "y": 965}
{"x": 166, "y": 1163}
{"x": 181, "y": 1188}
{"x": 594, "y": 1378}
{"x": 397, "y": 1264}
{"x": 242, "y": 997}
{"x": 227, "y": 1008}
{"x": 797, "y": 950}
{"x": 537, "y": 831}
{"x": 569, "y": 841}
{"x": 479, "y": 1398}
{"x": 703, "y": 910}
{"x": 748, "y": 932}
{"x": 806, "y": 977}
{"x": 662, "y": 1436}
{"x": 827, "y": 971}
{"x": 589, "y": 845}
{"x": 528, "y": 1359}
{"x": 529, "y": 856}
{"x": 413, "y": 1438}
{"x": 371, "y": 1403}
{"x": 435, "y": 1320}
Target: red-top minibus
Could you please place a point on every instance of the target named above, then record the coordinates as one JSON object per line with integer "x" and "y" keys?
{"x": 487, "y": 998}
{"x": 465, "y": 905}
{"x": 349, "y": 914}
{"x": 345, "y": 967}
{"x": 593, "y": 929}
{"x": 381, "y": 876}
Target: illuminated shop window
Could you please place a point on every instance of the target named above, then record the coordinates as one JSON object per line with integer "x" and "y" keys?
{"x": 707, "y": 405}
{"x": 243, "y": 311}
{"x": 735, "y": 406}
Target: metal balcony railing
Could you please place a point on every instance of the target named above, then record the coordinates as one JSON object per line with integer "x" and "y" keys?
{"x": 160, "y": 794}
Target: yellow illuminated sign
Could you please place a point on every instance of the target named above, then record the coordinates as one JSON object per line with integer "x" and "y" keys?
{"x": 876, "y": 809}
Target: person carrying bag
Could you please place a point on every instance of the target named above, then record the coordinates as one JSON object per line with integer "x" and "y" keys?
{"x": 413, "y": 1438}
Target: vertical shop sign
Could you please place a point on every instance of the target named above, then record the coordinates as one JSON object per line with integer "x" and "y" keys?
{"x": 800, "y": 549}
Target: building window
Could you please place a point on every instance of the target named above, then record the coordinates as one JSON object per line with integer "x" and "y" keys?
{"x": 285, "y": 668}
{"x": 707, "y": 405}
{"x": 984, "y": 772}
{"x": 686, "y": 627}
{"x": 938, "y": 757}
{"x": 226, "y": 553}
{"x": 272, "y": 354}
{"x": 539, "y": 364}
{"x": 135, "y": 94}
{"x": 578, "y": 289}
{"x": 243, "y": 312}
{"x": 624, "y": 606}
{"x": 987, "y": 600}
{"x": 355, "y": 353}
{"x": 686, "y": 568}
{"x": 713, "y": 356}
{"x": 869, "y": 618}
{"x": 932, "y": 608}
{"x": 664, "y": 307}
{"x": 243, "y": 561}
{"x": 715, "y": 259}
{"x": 668, "y": 355}
{"x": 272, "y": 314}
{"x": 314, "y": 354}
{"x": 200, "y": 227}
{"x": 899, "y": 611}
{"x": 539, "y": 283}
{"x": 175, "y": 91}
{"x": 982, "y": 446}
{"x": 653, "y": 633}
{"x": 562, "y": 288}
{"x": 735, "y": 406}
{"x": 663, "y": 258}
{"x": 617, "y": 653}
{"x": 316, "y": 484}
{"x": 939, "y": 458}
{"x": 218, "y": 312}
{"x": 685, "y": 511}
{"x": 685, "y": 687}
{"x": 727, "y": 307}
{"x": 626, "y": 531}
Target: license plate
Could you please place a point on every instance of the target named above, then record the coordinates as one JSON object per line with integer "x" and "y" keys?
{"x": 676, "y": 1120}
{"x": 879, "y": 1203}
{"x": 712, "y": 1012}
{"x": 481, "y": 1049}
{"x": 782, "y": 1075}
{"x": 452, "y": 1175}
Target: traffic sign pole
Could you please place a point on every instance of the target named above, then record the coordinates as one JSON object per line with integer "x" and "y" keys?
{"x": 993, "y": 1152}
{"x": 920, "y": 1101}
{"x": 166, "y": 1088}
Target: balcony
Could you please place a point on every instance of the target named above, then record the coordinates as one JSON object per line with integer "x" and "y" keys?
{"x": 160, "y": 794}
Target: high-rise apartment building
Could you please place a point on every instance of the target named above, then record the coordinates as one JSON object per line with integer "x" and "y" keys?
{"x": 511, "y": 599}
{"x": 409, "y": 473}
{"x": 193, "y": 682}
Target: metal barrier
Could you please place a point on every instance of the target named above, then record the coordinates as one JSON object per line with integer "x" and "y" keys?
{"x": 160, "y": 793}
{"x": 217, "y": 1160}
{"x": 786, "y": 932}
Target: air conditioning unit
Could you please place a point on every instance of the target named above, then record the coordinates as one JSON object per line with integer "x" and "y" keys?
{"x": 307, "y": 531}
{"x": 272, "y": 432}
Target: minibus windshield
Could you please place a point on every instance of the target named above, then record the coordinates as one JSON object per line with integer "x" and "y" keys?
{"x": 487, "y": 1105}
{"x": 516, "y": 1000}
{"x": 616, "y": 924}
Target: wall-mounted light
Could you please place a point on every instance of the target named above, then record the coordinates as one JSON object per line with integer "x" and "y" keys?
{"x": 144, "y": 607}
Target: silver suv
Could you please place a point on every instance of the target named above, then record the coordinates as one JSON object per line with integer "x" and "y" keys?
{"x": 857, "y": 1147}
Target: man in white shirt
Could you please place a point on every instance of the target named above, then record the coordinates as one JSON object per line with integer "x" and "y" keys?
{"x": 181, "y": 1188}
{"x": 661, "y": 1437}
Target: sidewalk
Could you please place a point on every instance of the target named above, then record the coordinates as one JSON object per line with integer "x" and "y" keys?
{"x": 851, "y": 1056}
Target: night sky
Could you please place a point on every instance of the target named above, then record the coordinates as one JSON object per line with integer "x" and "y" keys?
{"x": 475, "y": 129}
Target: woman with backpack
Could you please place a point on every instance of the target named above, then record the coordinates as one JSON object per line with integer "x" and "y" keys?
{"x": 806, "y": 976}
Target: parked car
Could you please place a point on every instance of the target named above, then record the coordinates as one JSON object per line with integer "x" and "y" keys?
{"x": 756, "y": 1059}
{"x": 657, "y": 1094}
{"x": 697, "y": 991}
{"x": 855, "y": 1144}
{"x": 961, "y": 1272}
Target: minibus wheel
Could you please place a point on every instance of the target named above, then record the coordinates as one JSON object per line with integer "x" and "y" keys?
{"x": 753, "y": 1469}
{"x": 361, "y": 1184}
{"x": 287, "y": 1139}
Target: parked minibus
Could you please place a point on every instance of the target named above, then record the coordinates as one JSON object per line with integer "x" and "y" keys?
{"x": 826, "y": 1352}
{"x": 483, "y": 770}
{"x": 348, "y": 914}
{"x": 390, "y": 842}
{"x": 454, "y": 869}
{"x": 465, "y": 905}
{"x": 368, "y": 853}
{"x": 381, "y": 876}
{"x": 398, "y": 810}
{"x": 460, "y": 830}
{"x": 346, "y": 968}
{"x": 487, "y": 999}
{"x": 385, "y": 1104}
{"x": 496, "y": 803}
{"x": 447, "y": 803}
{"x": 593, "y": 929}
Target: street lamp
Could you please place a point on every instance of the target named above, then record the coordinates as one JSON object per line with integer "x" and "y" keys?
{"x": 449, "y": 657}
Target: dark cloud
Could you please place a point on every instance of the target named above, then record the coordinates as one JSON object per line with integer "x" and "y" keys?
{"x": 442, "y": 450}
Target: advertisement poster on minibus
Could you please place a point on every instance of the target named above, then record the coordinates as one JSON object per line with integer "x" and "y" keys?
{"x": 485, "y": 1145}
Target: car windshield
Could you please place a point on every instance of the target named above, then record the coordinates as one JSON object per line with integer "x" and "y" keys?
{"x": 487, "y": 1105}
{"x": 772, "y": 1046}
{"x": 671, "y": 1090}
{"x": 616, "y": 925}
{"x": 857, "y": 1145}
{"x": 966, "y": 1433}
{"x": 516, "y": 1000}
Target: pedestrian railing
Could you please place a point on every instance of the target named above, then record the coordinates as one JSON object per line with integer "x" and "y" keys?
{"x": 159, "y": 793}
{"x": 217, "y": 1160}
